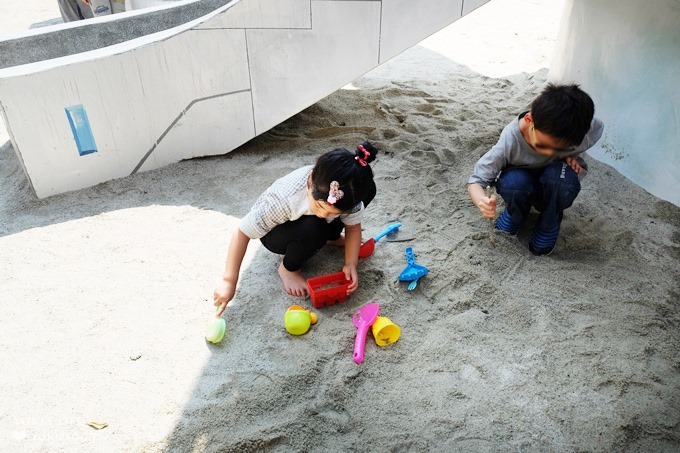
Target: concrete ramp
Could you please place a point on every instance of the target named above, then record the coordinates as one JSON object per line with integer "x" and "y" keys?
{"x": 628, "y": 59}
{"x": 202, "y": 88}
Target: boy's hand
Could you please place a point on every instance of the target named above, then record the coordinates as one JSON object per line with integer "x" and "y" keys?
{"x": 350, "y": 271}
{"x": 223, "y": 294}
{"x": 487, "y": 205}
{"x": 572, "y": 161}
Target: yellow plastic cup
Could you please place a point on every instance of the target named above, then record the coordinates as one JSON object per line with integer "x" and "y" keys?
{"x": 385, "y": 331}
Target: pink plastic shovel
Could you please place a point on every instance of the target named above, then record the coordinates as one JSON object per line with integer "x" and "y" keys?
{"x": 363, "y": 319}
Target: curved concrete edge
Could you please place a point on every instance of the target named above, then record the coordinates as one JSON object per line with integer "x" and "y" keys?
{"x": 70, "y": 38}
{"x": 200, "y": 89}
{"x": 628, "y": 59}
{"x": 111, "y": 50}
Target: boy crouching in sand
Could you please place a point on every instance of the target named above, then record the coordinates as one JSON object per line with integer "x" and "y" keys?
{"x": 536, "y": 163}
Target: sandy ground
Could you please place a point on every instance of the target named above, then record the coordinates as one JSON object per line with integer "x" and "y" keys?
{"x": 106, "y": 291}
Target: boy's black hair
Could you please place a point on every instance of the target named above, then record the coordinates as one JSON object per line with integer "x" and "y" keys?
{"x": 350, "y": 170}
{"x": 563, "y": 111}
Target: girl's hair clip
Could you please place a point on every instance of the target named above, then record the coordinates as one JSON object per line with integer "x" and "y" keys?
{"x": 363, "y": 157}
{"x": 334, "y": 193}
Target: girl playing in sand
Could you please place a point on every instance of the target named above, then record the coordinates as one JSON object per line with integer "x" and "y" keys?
{"x": 301, "y": 212}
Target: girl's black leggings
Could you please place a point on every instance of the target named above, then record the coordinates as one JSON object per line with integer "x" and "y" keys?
{"x": 300, "y": 239}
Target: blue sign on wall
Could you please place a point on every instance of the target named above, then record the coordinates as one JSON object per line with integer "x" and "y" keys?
{"x": 80, "y": 126}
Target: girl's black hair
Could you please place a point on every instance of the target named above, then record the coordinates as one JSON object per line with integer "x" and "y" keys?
{"x": 351, "y": 170}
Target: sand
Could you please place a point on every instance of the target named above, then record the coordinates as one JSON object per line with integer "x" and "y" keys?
{"x": 106, "y": 291}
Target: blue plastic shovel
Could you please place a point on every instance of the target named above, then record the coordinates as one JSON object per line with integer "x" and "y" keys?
{"x": 412, "y": 272}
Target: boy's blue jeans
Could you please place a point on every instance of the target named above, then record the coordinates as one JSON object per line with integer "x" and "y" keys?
{"x": 550, "y": 190}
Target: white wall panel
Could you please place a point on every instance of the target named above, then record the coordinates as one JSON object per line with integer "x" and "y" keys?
{"x": 292, "y": 69}
{"x": 407, "y": 22}
{"x": 471, "y": 5}
{"x": 265, "y": 14}
{"x": 130, "y": 99}
{"x": 211, "y": 126}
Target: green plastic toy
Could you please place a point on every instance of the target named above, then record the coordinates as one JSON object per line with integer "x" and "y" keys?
{"x": 214, "y": 332}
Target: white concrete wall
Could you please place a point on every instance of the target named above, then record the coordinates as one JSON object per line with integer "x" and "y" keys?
{"x": 403, "y": 25}
{"x": 292, "y": 69}
{"x": 626, "y": 55}
{"x": 203, "y": 88}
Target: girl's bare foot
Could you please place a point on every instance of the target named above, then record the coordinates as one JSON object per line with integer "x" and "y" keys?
{"x": 294, "y": 282}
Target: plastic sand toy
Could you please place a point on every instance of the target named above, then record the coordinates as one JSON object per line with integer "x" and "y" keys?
{"x": 297, "y": 322}
{"x": 385, "y": 332}
{"x": 363, "y": 319}
{"x": 328, "y": 289}
{"x": 368, "y": 247}
{"x": 214, "y": 332}
{"x": 412, "y": 272}
{"x": 311, "y": 313}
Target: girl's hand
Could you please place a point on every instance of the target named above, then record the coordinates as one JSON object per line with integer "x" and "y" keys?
{"x": 226, "y": 288}
{"x": 223, "y": 294}
{"x": 350, "y": 271}
{"x": 352, "y": 245}
{"x": 572, "y": 161}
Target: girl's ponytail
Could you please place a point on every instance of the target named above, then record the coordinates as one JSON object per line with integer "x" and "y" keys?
{"x": 349, "y": 173}
{"x": 365, "y": 153}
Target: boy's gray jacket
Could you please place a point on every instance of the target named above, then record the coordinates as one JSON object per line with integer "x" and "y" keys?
{"x": 512, "y": 150}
